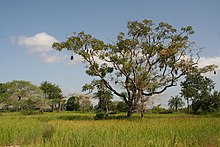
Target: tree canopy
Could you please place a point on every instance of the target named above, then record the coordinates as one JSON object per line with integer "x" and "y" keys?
{"x": 72, "y": 104}
{"x": 175, "y": 102}
{"x": 22, "y": 95}
{"x": 146, "y": 60}
{"x": 51, "y": 91}
{"x": 200, "y": 91}
{"x": 20, "y": 89}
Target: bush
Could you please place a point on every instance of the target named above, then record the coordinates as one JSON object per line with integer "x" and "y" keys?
{"x": 166, "y": 111}
{"x": 101, "y": 115}
{"x": 72, "y": 104}
{"x": 159, "y": 110}
{"x": 122, "y": 107}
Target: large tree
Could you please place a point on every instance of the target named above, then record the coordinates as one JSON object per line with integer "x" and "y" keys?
{"x": 147, "y": 60}
{"x": 20, "y": 89}
{"x": 20, "y": 94}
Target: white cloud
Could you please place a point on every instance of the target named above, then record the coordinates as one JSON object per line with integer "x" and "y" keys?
{"x": 209, "y": 60}
{"x": 40, "y": 42}
{"x": 79, "y": 59}
{"x": 54, "y": 58}
{"x": 76, "y": 59}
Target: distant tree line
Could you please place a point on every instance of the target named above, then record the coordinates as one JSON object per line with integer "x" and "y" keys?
{"x": 19, "y": 95}
{"x": 197, "y": 90}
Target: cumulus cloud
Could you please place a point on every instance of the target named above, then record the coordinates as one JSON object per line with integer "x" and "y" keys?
{"x": 209, "y": 60}
{"x": 54, "y": 58}
{"x": 40, "y": 42}
{"x": 76, "y": 59}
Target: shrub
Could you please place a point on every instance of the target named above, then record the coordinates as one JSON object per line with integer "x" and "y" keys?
{"x": 101, "y": 115}
{"x": 158, "y": 110}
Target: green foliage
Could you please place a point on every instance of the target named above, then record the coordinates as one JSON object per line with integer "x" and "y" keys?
{"x": 158, "y": 110}
{"x": 147, "y": 60}
{"x": 175, "y": 102}
{"x": 199, "y": 90}
{"x": 208, "y": 104}
{"x": 51, "y": 91}
{"x": 79, "y": 103}
{"x": 122, "y": 107}
{"x": 72, "y": 104}
{"x": 20, "y": 89}
{"x": 196, "y": 86}
{"x": 3, "y": 91}
{"x": 104, "y": 96}
{"x": 29, "y": 112}
{"x": 101, "y": 115}
{"x": 23, "y": 96}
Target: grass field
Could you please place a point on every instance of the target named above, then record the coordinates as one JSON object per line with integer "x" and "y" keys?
{"x": 69, "y": 129}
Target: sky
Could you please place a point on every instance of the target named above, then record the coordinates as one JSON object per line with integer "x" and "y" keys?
{"x": 28, "y": 29}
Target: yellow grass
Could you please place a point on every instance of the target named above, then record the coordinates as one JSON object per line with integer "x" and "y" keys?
{"x": 79, "y": 129}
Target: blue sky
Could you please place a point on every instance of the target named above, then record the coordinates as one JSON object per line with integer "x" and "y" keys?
{"x": 28, "y": 28}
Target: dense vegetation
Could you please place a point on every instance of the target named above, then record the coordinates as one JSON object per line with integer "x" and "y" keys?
{"x": 79, "y": 129}
{"x": 26, "y": 97}
{"x": 199, "y": 92}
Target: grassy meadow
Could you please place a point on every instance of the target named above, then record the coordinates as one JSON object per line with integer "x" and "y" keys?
{"x": 69, "y": 129}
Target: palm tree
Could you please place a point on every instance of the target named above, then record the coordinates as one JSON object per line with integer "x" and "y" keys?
{"x": 175, "y": 102}
{"x": 104, "y": 96}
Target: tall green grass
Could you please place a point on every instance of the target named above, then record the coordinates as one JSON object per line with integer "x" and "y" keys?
{"x": 79, "y": 129}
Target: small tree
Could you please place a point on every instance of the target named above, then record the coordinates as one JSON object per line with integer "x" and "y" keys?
{"x": 72, "y": 104}
{"x": 175, "y": 102}
{"x": 104, "y": 96}
{"x": 52, "y": 92}
{"x": 146, "y": 61}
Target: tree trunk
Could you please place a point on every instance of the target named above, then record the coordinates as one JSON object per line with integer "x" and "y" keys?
{"x": 188, "y": 105}
{"x": 129, "y": 113}
{"x": 142, "y": 113}
{"x": 176, "y": 107}
{"x": 130, "y": 108}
